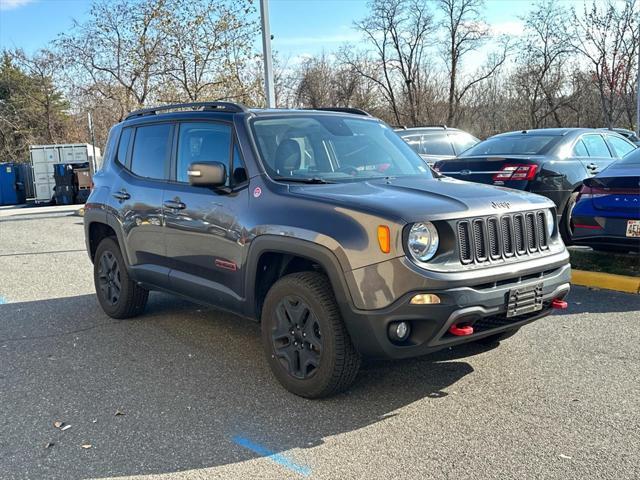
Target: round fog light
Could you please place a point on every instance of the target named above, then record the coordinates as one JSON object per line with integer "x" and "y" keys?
{"x": 399, "y": 331}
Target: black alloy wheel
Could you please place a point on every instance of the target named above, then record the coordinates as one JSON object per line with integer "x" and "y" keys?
{"x": 109, "y": 278}
{"x": 296, "y": 338}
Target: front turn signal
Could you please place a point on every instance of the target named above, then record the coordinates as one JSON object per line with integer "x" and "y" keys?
{"x": 384, "y": 238}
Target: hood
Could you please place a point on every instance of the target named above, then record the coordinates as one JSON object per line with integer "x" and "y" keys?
{"x": 415, "y": 199}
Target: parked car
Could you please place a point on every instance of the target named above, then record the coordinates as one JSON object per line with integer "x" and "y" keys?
{"x": 628, "y": 134}
{"x": 607, "y": 211}
{"x": 552, "y": 162}
{"x": 323, "y": 226}
{"x": 437, "y": 142}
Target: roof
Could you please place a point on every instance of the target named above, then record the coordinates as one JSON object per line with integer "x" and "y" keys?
{"x": 554, "y": 132}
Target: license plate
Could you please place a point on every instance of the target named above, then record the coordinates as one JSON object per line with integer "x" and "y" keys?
{"x": 524, "y": 300}
{"x": 633, "y": 228}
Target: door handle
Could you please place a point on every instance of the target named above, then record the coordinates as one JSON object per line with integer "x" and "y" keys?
{"x": 122, "y": 195}
{"x": 592, "y": 166}
{"x": 175, "y": 205}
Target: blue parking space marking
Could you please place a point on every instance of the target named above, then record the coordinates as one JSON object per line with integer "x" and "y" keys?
{"x": 274, "y": 457}
{"x": 3, "y": 300}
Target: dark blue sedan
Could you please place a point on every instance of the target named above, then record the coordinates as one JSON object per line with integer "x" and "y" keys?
{"x": 607, "y": 212}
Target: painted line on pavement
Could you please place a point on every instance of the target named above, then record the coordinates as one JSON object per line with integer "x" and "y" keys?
{"x": 274, "y": 457}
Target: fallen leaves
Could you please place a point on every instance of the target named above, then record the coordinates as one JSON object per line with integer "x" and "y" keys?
{"x": 86, "y": 446}
{"x": 49, "y": 445}
{"x": 118, "y": 413}
{"x": 58, "y": 424}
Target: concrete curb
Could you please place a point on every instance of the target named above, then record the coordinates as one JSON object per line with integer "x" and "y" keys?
{"x": 608, "y": 281}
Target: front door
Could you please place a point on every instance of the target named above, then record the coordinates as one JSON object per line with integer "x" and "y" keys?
{"x": 203, "y": 231}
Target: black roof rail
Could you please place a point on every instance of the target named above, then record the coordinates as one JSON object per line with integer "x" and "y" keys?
{"x": 223, "y": 106}
{"x": 355, "y": 111}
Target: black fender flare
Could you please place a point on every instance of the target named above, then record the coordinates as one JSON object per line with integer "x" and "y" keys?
{"x": 99, "y": 215}
{"x": 298, "y": 247}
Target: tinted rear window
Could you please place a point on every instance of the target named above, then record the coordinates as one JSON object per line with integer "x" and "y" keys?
{"x": 150, "y": 151}
{"x": 512, "y": 145}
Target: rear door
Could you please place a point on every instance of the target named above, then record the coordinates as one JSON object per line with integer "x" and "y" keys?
{"x": 144, "y": 154}
{"x": 598, "y": 153}
{"x": 203, "y": 234}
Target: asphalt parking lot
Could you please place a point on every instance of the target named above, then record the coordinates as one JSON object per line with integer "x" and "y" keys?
{"x": 194, "y": 397}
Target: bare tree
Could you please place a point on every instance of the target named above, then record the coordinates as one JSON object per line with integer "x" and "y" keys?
{"x": 399, "y": 33}
{"x": 542, "y": 65}
{"x": 465, "y": 32}
{"x": 206, "y": 45}
{"x": 118, "y": 50}
{"x": 608, "y": 37}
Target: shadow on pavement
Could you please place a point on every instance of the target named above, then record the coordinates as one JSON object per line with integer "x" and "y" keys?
{"x": 583, "y": 300}
{"x": 187, "y": 379}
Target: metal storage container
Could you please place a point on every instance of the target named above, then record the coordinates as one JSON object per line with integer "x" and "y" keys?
{"x": 44, "y": 157}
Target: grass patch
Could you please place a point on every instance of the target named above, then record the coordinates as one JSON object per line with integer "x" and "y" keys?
{"x": 616, "y": 263}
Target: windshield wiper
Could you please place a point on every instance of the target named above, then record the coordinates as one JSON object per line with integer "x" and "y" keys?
{"x": 310, "y": 180}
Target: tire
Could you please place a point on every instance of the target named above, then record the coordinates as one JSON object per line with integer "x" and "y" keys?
{"x": 119, "y": 296}
{"x": 565, "y": 221}
{"x": 498, "y": 337}
{"x": 305, "y": 340}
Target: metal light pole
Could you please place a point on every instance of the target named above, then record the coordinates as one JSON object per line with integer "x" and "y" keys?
{"x": 94, "y": 163}
{"x": 269, "y": 90}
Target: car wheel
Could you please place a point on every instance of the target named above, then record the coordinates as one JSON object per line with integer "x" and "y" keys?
{"x": 119, "y": 296}
{"x": 565, "y": 222}
{"x": 306, "y": 342}
{"x": 498, "y": 337}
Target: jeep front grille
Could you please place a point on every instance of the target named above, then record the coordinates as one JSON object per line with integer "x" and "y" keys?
{"x": 485, "y": 239}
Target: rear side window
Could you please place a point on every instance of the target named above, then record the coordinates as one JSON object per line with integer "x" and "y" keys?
{"x": 579, "y": 150}
{"x": 123, "y": 146}
{"x": 203, "y": 142}
{"x": 596, "y": 146}
{"x": 437, "y": 145}
{"x": 621, "y": 147}
{"x": 462, "y": 141}
{"x": 151, "y": 151}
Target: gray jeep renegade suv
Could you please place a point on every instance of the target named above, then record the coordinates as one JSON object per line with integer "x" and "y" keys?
{"x": 325, "y": 227}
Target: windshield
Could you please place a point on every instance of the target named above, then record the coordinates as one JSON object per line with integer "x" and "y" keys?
{"x": 326, "y": 148}
{"x": 512, "y": 145}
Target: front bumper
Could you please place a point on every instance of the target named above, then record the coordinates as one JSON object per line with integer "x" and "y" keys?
{"x": 482, "y": 306}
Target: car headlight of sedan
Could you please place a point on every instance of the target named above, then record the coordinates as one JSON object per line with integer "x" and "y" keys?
{"x": 423, "y": 241}
{"x": 550, "y": 221}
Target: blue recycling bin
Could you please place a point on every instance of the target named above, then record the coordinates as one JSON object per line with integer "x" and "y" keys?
{"x": 12, "y": 191}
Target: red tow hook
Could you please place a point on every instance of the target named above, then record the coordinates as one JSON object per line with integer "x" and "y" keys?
{"x": 461, "y": 331}
{"x": 559, "y": 304}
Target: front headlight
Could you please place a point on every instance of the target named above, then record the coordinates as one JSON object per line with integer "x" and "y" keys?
{"x": 423, "y": 241}
{"x": 550, "y": 221}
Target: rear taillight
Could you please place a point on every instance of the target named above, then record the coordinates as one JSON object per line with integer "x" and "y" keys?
{"x": 595, "y": 192}
{"x": 516, "y": 172}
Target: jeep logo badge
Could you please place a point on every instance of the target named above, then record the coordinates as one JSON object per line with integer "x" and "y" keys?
{"x": 500, "y": 204}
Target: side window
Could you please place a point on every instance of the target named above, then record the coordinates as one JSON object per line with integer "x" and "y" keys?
{"x": 123, "y": 146}
{"x": 203, "y": 142}
{"x": 579, "y": 150}
{"x": 596, "y": 146}
{"x": 462, "y": 142}
{"x": 414, "y": 141}
{"x": 151, "y": 151}
{"x": 621, "y": 147}
{"x": 437, "y": 145}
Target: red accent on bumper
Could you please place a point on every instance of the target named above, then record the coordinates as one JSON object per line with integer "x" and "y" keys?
{"x": 559, "y": 304}
{"x": 461, "y": 331}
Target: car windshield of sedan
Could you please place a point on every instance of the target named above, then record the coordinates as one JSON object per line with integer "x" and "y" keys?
{"x": 321, "y": 148}
{"x": 512, "y": 145}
